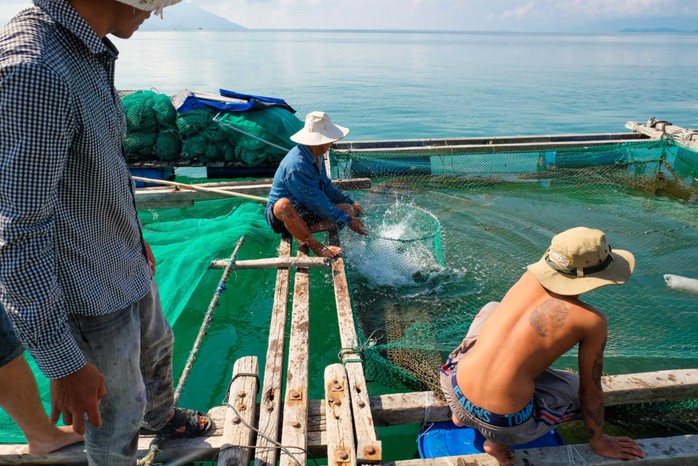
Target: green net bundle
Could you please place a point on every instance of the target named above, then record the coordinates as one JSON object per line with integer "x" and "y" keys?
{"x": 151, "y": 127}
{"x": 250, "y": 138}
{"x": 156, "y": 132}
{"x": 497, "y": 213}
{"x": 261, "y": 136}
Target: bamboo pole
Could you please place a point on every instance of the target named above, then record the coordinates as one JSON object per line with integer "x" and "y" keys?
{"x": 273, "y": 263}
{"x": 195, "y": 187}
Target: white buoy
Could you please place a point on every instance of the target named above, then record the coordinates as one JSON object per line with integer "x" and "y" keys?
{"x": 678, "y": 282}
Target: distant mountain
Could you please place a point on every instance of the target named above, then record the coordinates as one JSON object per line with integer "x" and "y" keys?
{"x": 187, "y": 17}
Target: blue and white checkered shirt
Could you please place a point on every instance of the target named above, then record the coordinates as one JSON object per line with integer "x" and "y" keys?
{"x": 70, "y": 238}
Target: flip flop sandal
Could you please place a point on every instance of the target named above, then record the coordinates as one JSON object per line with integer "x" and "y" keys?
{"x": 187, "y": 418}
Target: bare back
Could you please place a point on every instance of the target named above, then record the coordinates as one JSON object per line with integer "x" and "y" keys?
{"x": 522, "y": 337}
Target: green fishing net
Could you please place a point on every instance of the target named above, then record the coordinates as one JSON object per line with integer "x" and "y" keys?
{"x": 498, "y": 210}
{"x": 156, "y": 132}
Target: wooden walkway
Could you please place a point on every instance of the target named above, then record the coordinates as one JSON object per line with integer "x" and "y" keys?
{"x": 287, "y": 428}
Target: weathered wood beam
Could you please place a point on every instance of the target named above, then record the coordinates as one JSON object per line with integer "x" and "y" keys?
{"x": 294, "y": 433}
{"x": 395, "y": 409}
{"x": 680, "y": 450}
{"x": 663, "y": 130}
{"x": 158, "y": 197}
{"x": 240, "y": 413}
{"x": 266, "y": 453}
{"x": 273, "y": 262}
{"x": 339, "y": 426}
{"x": 475, "y": 145}
{"x": 368, "y": 447}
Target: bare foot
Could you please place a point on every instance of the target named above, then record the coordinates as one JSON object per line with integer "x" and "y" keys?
{"x": 327, "y": 251}
{"x": 58, "y": 437}
{"x": 502, "y": 453}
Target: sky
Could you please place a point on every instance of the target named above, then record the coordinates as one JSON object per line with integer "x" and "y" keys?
{"x": 467, "y": 15}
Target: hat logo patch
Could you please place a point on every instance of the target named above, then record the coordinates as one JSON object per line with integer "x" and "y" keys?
{"x": 561, "y": 260}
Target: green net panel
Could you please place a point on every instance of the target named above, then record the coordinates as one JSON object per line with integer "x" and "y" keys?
{"x": 498, "y": 210}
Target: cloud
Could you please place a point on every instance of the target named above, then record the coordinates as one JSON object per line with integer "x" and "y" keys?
{"x": 605, "y": 9}
{"x": 519, "y": 12}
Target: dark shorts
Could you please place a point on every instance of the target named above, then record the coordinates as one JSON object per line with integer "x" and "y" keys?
{"x": 10, "y": 347}
{"x": 555, "y": 399}
{"x": 278, "y": 226}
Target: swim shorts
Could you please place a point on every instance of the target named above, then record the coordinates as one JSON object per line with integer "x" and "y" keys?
{"x": 278, "y": 226}
{"x": 555, "y": 399}
{"x": 10, "y": 347}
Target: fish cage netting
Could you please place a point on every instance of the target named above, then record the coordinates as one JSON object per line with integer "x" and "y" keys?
{"x": 498, "y": 212}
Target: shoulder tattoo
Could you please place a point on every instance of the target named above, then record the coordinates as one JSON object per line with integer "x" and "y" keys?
{"x": 548, "y": 317}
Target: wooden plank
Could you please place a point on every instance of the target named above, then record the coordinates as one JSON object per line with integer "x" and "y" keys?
{"x": 663, "y": 129}
{"x": 240, "y": 413}
{"x": 294, "y": 434}
{"x": 387, "y": 144}
{"x": 680, "y": 450}
{"x": 266, "y": 453}
{"x": 339, "y": 425}
{"x": 155, "y": 197}
{"x": 390, "y": 409}
{"x": 273, "y": 262}
{"x": 368, "y": 448}
{"x": 648, "y": 387}
{"x": 476, "y": 145}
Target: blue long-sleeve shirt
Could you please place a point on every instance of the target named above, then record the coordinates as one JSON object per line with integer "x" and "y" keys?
{"x": 304, "y": 182}
{"x": 70, "y": 238}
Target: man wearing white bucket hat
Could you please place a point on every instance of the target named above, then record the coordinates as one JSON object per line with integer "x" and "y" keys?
{"x": 303, "y": 199}
{"x": 76, "y": 276}
{"x": 502, "y": 365}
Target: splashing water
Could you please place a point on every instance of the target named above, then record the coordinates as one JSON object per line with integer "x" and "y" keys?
{"x": 403, "y": 247}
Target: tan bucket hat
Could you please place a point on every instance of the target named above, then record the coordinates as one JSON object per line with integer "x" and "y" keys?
{"x": 580, "y": 260}
{"x": 155, "y": 6}
{"x": 319, "y": 130}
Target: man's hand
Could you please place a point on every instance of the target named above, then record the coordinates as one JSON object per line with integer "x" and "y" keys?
{"x": 616, "y": 447}
{"x": 356, "y": 225}
{"x": 149, "y": 255}
{"x": 77, "y": 394}
{"x": 358, "y": 210}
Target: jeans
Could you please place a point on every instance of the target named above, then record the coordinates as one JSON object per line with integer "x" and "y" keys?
{"x": 132, "y": 348}
{"x": 10, "y": 346}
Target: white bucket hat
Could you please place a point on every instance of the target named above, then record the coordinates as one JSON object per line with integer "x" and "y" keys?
{"x": 580, "y": 260}
{"x": 319, "y": 130}
{"x": 155, "y": 6}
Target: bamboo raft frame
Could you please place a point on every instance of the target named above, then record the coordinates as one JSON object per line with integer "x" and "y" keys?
{"x": 341, "y": 425}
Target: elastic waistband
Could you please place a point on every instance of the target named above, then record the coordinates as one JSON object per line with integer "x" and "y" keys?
{"x": 494, "y": 419}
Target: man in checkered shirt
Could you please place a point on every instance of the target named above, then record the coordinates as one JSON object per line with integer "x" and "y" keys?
{"x": 76, "y": 276}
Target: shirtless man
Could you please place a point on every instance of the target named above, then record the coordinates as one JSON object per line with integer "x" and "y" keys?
{"x": 538, "y": 320}
{"x": 303, "y": 200}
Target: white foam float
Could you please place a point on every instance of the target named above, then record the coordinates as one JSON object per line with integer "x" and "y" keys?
{"x": 677, "y": 282}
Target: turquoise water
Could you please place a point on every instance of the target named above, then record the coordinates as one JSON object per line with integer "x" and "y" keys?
{"x": 429, "y": 85}
{"x": 426, "y": 85}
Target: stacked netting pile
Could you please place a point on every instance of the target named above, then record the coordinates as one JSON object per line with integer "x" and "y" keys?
{"x": 498, "y": 212}
{"x": 157, "y": 132}
{"x": 151, "y": 123}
